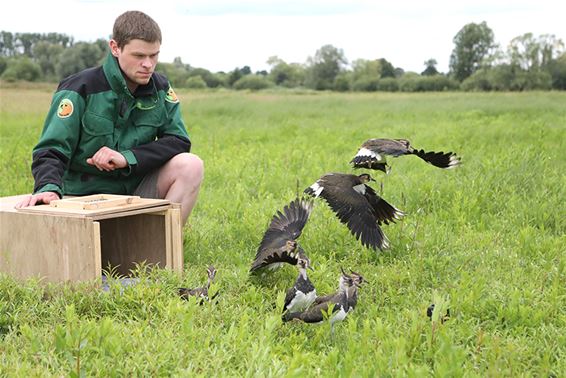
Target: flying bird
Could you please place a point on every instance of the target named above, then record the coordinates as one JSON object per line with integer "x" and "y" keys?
{"x": 303, "y": 292}
{"x": 372, "y": 155}
{"x": 279, "y": 244}
{"x": 357, "y": 206}
{"x": 200, "y": 292}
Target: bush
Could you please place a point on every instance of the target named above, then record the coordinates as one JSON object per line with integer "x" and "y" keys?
{"x": 195, "y": 82}
{"x": 365, "y": 84}
{"x": 252, "y": 82}
{"x": 342, "y": 83}
{"x": 388, "y": 84}
{"x": 21, "y": 69}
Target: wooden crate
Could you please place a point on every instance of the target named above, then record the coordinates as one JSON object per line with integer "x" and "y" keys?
{"x": 71, "y": 241}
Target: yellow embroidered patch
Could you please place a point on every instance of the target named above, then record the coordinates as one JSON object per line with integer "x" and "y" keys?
{"x": 65, "y": 108}
{"x": 171, "y": 96}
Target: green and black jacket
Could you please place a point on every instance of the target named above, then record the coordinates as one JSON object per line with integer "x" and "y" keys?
{"x": 94, "y": 108}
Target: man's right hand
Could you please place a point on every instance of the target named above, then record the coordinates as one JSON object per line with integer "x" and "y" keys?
{"x": 37, "y": 199}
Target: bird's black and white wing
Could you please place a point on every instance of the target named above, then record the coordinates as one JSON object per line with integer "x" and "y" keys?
{"x": 383, "y": 211}
{"x": 351, "y": 207}
{"x": 285, "y": 227}
{"x": 444, "y": 160}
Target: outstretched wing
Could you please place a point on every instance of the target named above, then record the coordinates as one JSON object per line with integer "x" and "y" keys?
{"x": 354, "y": 210}
{"x": 383, "y": 211}
{"x": 284, "y": 227}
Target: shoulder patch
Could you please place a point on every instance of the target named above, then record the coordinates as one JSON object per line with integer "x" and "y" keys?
{"x": 65, "y": 108}
{"x": 171, "y": 96}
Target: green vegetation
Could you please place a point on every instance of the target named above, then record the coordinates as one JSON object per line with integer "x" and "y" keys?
{"x": 485, "y": 240}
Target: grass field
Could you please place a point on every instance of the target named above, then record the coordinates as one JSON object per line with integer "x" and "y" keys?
{"x": 486, "y": 240}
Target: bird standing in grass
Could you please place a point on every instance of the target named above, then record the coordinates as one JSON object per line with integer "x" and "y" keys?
{"x": 303, "y": 292}
{"x": 200, "y": 292}
{"x": 279, "y": 244}
{"x": 357, "y": 205}
{"x": 372, "y": 154}
{"x": 339, "y": 302}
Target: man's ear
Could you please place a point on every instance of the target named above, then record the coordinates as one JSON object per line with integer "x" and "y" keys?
{"x": 114, "y": 49}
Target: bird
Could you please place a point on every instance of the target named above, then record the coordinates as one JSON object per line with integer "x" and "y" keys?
{"x": 303, "y": 292}
{"x": 200, "y": 292}
{"x": 338, "y": 301}
{"x": 357, "y": 206}
{"x": 371, "y": 155}
{"x": 443, "y": 318}
{"x": 279, "y": 244}
{"x": 358, "y": 280}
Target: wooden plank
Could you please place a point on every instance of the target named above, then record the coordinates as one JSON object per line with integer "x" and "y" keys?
{"x": 54, "y": 248}
{"x": 94, "y": 202}
{"x": 168, "y": 251}
{"x": 177, "y": 240}
{"x": 143, "y": 203}
{"x": 97, "y": 249}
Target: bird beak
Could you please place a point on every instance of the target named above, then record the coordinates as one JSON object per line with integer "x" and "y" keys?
{"x": 310, "y": 268}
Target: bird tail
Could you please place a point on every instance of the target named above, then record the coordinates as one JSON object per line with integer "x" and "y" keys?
{"x": 440, "y": 159}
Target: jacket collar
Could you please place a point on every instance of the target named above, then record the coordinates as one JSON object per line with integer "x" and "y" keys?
{"x": 115, "y": 77}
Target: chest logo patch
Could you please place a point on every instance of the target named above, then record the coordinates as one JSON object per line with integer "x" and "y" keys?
{"x": 171, "y": 96}
{"x": 65, "y": 108}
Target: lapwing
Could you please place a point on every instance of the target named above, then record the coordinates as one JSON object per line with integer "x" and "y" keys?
{"x": 372, "y": 155}
{"x": 338, "y": 301}
{"x": 443, "y": 318}
{"x": 279, "y": 244}
{"x": 200, "y": 292}
{"x": 303, "y": 293}
{"x": 357, "y": 206}
{"x": 358, "y": 280}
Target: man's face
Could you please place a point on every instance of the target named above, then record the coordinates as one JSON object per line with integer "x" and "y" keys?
{"x": 137, "y": 59}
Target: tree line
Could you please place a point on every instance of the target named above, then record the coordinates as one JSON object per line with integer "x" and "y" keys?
{"x": 529, "y": 62}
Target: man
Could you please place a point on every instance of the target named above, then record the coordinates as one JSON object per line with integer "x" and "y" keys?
{"x": 118, "y": 128}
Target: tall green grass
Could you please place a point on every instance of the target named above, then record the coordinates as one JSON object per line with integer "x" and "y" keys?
{"x": 486, "y": 240}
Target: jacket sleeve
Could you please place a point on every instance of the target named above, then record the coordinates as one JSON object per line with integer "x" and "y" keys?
{"x": 59, "y": 138}
{"x": 173, "y": 139}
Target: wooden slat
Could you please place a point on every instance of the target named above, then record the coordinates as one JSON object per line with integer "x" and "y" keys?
{"x": 94, "y": 202}
{"x": 176, "y": 240}
{"x": 143, "y": 203}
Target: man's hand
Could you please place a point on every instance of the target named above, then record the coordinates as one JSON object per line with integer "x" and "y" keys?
{"x": 106, "y": 159}
{"x": 37, "y": 199}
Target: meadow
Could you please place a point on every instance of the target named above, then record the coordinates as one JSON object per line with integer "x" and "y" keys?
{"x": 486, "y": 240}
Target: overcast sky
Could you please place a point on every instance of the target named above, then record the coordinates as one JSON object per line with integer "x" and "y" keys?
{"x": 220, "y": 34}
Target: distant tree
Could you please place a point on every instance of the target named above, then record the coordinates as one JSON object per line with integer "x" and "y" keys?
{"x": 323, "y": 68}
{"x": 532, "y": 53}
{"x": 237, "y": 74}
{"x": 473, "y": 44}
{"x": 386, "y": 68}
{"x": 211, "y": 80}
{"x": 557, "y": 70}
{"x": 47, "y": 55}
{"x": 78, "y": 57}
{"x": 362, "y": 68}
{"x": 21, "y": 68}
{"x": 430, "y": 69}
{"x": 7, "y": 44}
{"x": 3, "y": 64}
{"x": 285, "y": 74}
{"x": 24, "y": 42}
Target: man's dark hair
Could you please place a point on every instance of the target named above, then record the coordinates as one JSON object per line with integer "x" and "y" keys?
{"x": 135, "y": 25}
